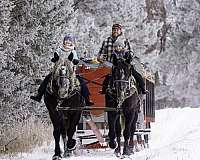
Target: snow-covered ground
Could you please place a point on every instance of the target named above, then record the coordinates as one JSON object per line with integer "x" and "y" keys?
{"x": 175, "y": 136}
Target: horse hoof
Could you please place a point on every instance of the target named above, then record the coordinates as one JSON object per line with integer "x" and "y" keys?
{"x": 67, "y": 153}
{"x": 117, "y": 152}
{"x": 131, "y": 149}
{"x": 56, "y": 157}
{"x": 124, "y": 156}
{"x": 112, "y": 144}
{"x": 71, "y": 144}
{"x": 126, "y": 151}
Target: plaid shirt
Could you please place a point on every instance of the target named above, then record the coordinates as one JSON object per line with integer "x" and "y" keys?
{"x": 106, "y": 49}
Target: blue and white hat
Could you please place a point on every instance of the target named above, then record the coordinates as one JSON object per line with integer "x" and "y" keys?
{"x": 69, "y": 37}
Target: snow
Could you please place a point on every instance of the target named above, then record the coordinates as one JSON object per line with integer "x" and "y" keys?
{"x": 175, "y": 136}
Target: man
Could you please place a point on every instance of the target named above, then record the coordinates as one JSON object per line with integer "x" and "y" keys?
{"x": 67, "y": 48}
{"x": 108, "y": 48}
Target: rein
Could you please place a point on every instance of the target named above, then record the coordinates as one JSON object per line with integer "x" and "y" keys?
{"x": 120, "y": 81}
{"x": 106, "y": 109}
{"x": 71, "y": 93}
{"x": 92, "y": 81}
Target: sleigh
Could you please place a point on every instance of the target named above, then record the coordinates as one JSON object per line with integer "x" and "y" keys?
{"x": 92, "y": 132}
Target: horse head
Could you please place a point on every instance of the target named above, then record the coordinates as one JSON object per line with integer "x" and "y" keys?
{"x": 63, "y": 81}
{"x": 123, "y": 81}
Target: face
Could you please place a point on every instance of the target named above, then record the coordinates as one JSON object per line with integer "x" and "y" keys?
{"x": 116, "y": 32}
{"x": 118, "y": 48}
{"x": 67, "y": 44}
{"x": 120, "y": 73}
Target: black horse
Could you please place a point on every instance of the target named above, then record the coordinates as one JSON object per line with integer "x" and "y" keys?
{"x": 63, "y": 91}
{"x": 121, "y": 93}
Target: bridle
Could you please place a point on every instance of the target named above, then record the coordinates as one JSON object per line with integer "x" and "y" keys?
{"x": 123, "y": 81}
{"x": 63, "y": 79}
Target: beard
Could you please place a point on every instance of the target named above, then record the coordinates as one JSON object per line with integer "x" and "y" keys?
{"x": 115, "y": 35}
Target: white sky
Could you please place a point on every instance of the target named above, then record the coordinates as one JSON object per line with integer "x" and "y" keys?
{"x": 175, "y": 136}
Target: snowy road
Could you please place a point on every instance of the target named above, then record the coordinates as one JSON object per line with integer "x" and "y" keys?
{"x": 175, "y": 136}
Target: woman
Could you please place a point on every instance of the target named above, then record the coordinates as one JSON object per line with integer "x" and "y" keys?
{"x": 67, "y": 48}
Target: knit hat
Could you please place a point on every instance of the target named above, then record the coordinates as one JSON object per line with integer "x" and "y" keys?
{"x": 69, "y": 38}
{"x": 116, "y": 26}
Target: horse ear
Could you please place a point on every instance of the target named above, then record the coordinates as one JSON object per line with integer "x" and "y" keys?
{"x": 114, "y": 59}
{"x": 71, "y": 56}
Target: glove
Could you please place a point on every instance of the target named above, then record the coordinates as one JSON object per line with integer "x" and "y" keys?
{"x": 71, "y": 56}
{"x": 75, "y": 61}
{"x": 55, "y": 58}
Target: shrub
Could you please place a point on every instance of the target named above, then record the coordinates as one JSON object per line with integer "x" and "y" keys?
{"x": 24, "y": 136}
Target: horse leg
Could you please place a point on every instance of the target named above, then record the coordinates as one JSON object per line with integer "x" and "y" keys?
{"x": 56, "y": 134}
{"x": 129, "y": 116}
{"x": 56, "y": 119}
{"x": 64, "y": 128}
{"x": 74, "y": 120}
{"x": 118, "y": 134}
{"x": 64, "y": 138}
{"x": 67, "y": 153}
{"x": 133, "y": 128}
{"x": 112, "y": 117}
